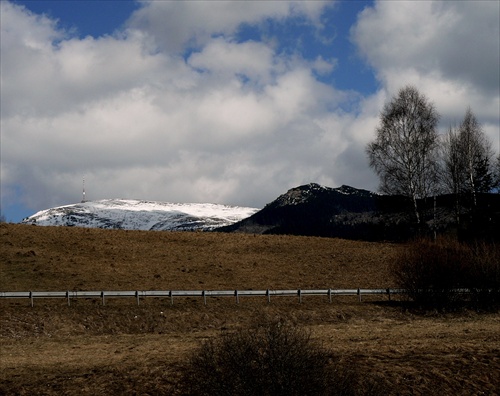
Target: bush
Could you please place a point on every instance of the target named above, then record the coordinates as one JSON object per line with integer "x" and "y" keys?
{"x": 484, "y": 275}
{"x": 435, "y": 274}
{"x": 275, "y": 359}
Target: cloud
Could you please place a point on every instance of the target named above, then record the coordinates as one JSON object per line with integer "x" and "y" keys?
{"x": 59, "y": 76}
{"x": 232, "y": 122}
{"x": 459, "y": 40}
{"x": 175, "y": 25}
{"x": 449, "y": 50}
{"x": 178, "y": 107}
{"x": 251, "y": 60}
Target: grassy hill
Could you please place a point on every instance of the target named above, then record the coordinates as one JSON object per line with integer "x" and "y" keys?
{"x": 122, "y": 348}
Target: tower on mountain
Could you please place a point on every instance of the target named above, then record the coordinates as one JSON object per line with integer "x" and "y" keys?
{"x": 83, "y": 192}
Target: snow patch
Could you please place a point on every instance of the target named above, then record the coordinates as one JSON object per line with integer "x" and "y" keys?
{"x": 141, "y": 215}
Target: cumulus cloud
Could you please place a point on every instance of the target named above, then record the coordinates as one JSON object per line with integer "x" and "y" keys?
{"x": 448, "y": 50}
{"x": 177, "y": 107}
{"x": 177, "y": 25}
{"x": 153, "y": 124}
{"x": 458, "y": 40}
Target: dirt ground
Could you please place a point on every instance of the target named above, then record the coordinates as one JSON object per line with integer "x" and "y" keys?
{"x": 122, "y": 348}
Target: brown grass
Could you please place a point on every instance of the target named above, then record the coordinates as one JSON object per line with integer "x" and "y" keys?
{"x": 122, "y": 348}
{"x": 52, "y": 258}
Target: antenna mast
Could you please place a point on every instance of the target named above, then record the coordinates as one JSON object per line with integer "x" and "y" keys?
{"x": 83, "y": 193}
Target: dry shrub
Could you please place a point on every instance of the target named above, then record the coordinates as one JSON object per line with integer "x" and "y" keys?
{"x": 484, "y": 275}
{"x": 436, "y": 274}
{"x": 272, "y": 358}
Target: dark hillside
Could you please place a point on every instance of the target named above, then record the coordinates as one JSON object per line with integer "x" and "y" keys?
{"x": 351, "y": 213}
{"x": 343, "y": 212}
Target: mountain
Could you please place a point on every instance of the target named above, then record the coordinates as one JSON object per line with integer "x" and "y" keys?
{"x": 348, "y": 212}
{"x": 141, "y": 215}
{"x": 311, "y": 209}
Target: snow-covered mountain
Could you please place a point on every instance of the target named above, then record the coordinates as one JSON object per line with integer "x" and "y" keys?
{"x": 141, "y": 215}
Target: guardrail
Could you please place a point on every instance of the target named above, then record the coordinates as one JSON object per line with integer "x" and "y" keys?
{"x": 138, "y": 294}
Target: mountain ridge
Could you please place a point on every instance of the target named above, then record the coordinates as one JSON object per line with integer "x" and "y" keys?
{"x": 132, "y": 214}
{"x": 309, "y": 210}
{"x": 351, "y": 213}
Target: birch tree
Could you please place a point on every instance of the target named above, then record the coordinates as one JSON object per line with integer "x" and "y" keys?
{"x": 467, "y": 158}
{"x": 405, "y": 152}
{"x": 453, "y": 164}
{"x": 453, "y": 168}
{"x": 497, "y": 174}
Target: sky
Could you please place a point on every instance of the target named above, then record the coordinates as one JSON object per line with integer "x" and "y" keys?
{"x": 229, "y": 102}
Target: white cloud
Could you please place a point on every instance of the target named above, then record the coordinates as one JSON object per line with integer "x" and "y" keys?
{"x": 251, "y": 60}
{"x": 175, "y": 24}
{"x": 225, "y": 122}
{"x": 232, "y": 123}
{"x": 449, "y": 50}
{"x": 323, "y": 66}
{"x": 59, "y": 76}
{"x": 459, "y": 40}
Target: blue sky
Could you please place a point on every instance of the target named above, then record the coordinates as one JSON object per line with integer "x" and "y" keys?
{"x": 223, "y": 102}
{"x": 98, "y": 18}
{"x": 85, "y": 17}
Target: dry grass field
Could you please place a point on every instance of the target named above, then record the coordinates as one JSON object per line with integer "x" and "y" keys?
{"x": 122, "y": 348}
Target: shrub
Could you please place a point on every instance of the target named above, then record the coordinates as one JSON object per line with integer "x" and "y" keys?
{"x": 484, "y": 275}
{"x": 275, "y": 359}
{"x": 435, "y": 273}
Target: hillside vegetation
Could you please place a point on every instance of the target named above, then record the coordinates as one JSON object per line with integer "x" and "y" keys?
{"x": 122, "y": 348}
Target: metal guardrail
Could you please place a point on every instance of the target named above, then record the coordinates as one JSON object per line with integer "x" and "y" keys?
{"x": 138, "y": 294}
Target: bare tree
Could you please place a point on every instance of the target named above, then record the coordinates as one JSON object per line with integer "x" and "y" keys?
{"x": 453, "y": 167}
{"x": 466, "y": 164}
{"x": 497, "y": 174}
{"x": 477, "y": 154}
{"x": 405, "y": 152}
{"x": 467, "y": 158}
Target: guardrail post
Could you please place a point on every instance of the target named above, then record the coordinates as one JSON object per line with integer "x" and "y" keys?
{"x": 31, "y": 298}
{"x": 359, "y": 295}
{"x": 137, "y": 296}
{"x": 204, "y": 297}
{"x": 268, "y": 294}
{"x": 102, "y": 296}
{"x": 171, "y": 297}
{"x": 389, "y": 294}
{"x": 300, "y": 296}
{"x": 67, "y": 296}
{"x": 330, "y": 295}
{"x": 237, "y": 297}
